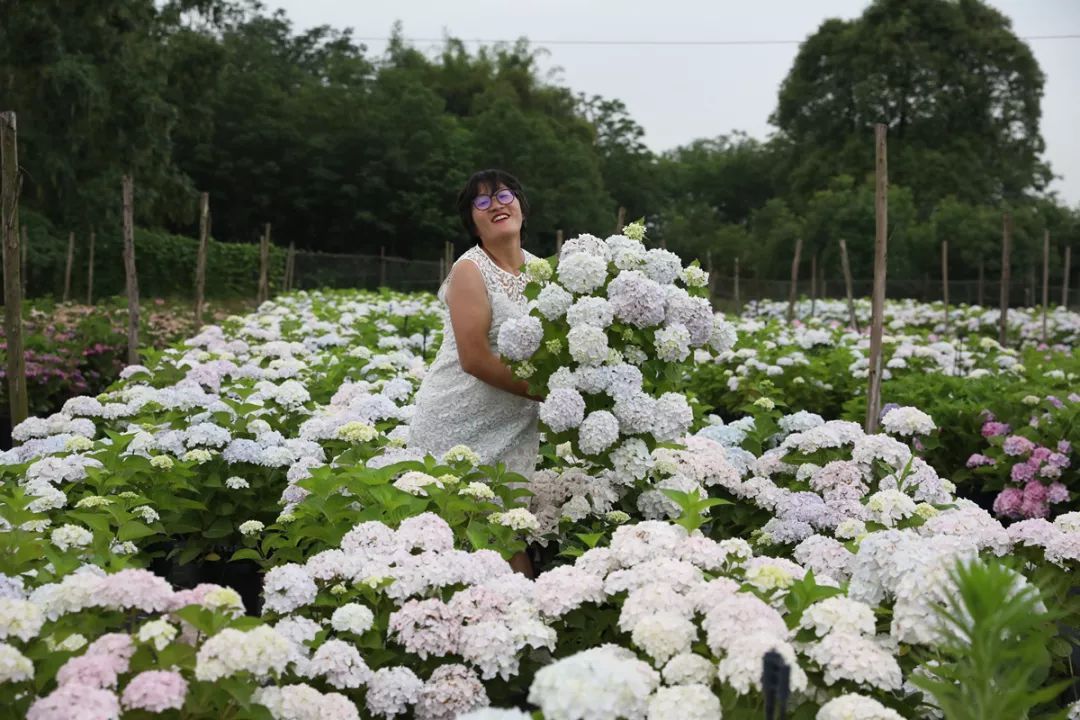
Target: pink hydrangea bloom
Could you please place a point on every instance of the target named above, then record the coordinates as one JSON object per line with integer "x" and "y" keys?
{"x": 136, "y": 588}
{"x": 1057, "y": 492}
{"x": 1022, "y": 472}
{"x": 96, "y": 671}
{"x": 1040, "y": 454}
{"x": 117, "y": 645}
{"x": 978, "y": 460}
{"x": 155, "y": 691}
{"x": 994, "y": 429}
{"x": 1017, "y": 445}
{"x": 1064, "y": 447}
{"x": 75, "y": 702}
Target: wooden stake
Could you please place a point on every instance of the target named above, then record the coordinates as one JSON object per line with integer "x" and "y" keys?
{"x": 25, "y": 276}
{"x": 881, "y": 213}
{"x": 794, "y": 280}
{"x": 813, "y": 285}
{"x": 982, "y": 273}
{"x": 90, "y": 271}
{"x": 1046, "y": 280}
{"x": 738, "y": 295}
{"x": 290, "y": 266}
{"x": 945, "y": 279}
{"x": 620, "y": 222}
{"x": 1065, "y": 278}
{"x": 382, "y": 266}
{"x": 263, "y": 293}
{"x": 1006, "y": 252}
{"x": 847, "y": 286}
{"x": 558, "y": 241}
{"x": 200, "y": 259}
{"x": 67, "y": 266}
{"x": 10, "y": 186}
{"x": 129, "y": 270}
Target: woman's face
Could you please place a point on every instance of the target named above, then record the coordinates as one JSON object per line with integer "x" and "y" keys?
{"x": 499, "y": 220}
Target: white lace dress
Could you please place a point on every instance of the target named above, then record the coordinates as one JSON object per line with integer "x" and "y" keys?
{"x": 455, "y": 408}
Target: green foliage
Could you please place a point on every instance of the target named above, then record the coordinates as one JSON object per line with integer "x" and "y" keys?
{"x": 994, "y": 660}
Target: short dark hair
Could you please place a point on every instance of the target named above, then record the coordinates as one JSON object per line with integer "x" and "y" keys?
{"x": 492, "y": 179}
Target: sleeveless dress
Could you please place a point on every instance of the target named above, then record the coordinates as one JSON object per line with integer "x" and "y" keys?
{"x": 456, "y": 408}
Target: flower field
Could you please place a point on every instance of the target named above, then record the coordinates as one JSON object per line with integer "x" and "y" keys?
{"x": 715, "y": 534}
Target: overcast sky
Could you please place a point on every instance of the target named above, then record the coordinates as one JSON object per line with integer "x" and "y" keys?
{"x": 682, "y": 92}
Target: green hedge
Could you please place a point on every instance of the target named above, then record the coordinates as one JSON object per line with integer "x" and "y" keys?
{"x": 165, "y": 263}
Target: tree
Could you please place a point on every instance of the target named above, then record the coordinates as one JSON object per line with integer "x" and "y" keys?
{"x": 958, "y": 90}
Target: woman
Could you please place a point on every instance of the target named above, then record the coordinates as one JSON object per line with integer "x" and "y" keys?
{"x": 469, "y": 397}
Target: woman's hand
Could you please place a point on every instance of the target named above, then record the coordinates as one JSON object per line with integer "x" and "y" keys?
{"x": 470, "y": 317}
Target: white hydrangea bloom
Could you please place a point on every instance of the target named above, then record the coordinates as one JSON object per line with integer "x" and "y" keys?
{"x": 520, "y": 337}
{"x": 582, "y": 273}
{"x": 20, "y": 618}
{"x": 673, "y": 343}
{"x": 598, "y": 432}
{"x": 687, "y": 702}
{"x": 907, "y": 421}
{"x": 553, "y": 301}
{"x": 563, "y": 409}
{"x": 602, "y": 683}
{"x": 353, "y": 618}
{"x": 588, "y": 344}
{"x": 589, "y": 310}
{"x": 856, "y": 707}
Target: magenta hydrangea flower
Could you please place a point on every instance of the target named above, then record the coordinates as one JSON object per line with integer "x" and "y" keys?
{"x": 155, "y": 691}
{"x": 979, "y": 460}
{"x": 1017, "y": 445}
{"x": 1008, "y": 502}
{"x": 992, "y": 428}
{"x": 1035, "y": 491}
{"x": 1041, "y": 453}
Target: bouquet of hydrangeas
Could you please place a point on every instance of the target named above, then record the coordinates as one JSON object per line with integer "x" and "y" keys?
{"x": 609, "y": 336}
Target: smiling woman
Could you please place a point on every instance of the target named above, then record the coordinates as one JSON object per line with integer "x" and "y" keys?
{"x": 469, "y": 397}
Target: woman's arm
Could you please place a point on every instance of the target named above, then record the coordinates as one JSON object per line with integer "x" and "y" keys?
{"x": 470, "y": 316}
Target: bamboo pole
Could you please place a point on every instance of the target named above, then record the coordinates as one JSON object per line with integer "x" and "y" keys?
{"x": 67, "y": 266}
{"x": 129, "y": 270}
{"x": 200, "y": 260}
{"x": 848, "y": 292}
{"x": 813, "y": 285}
{"x": 945, "y": 279}
{"x": 1046, "y": 280}
{"x": 90, "y": 271}
{"x": 1006, "y": 252}
{"x": 10, "y": 186}
{"x": 881, "y": 215}
{"x": 263, "y": 292}
{"x": 558, "y": 241}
